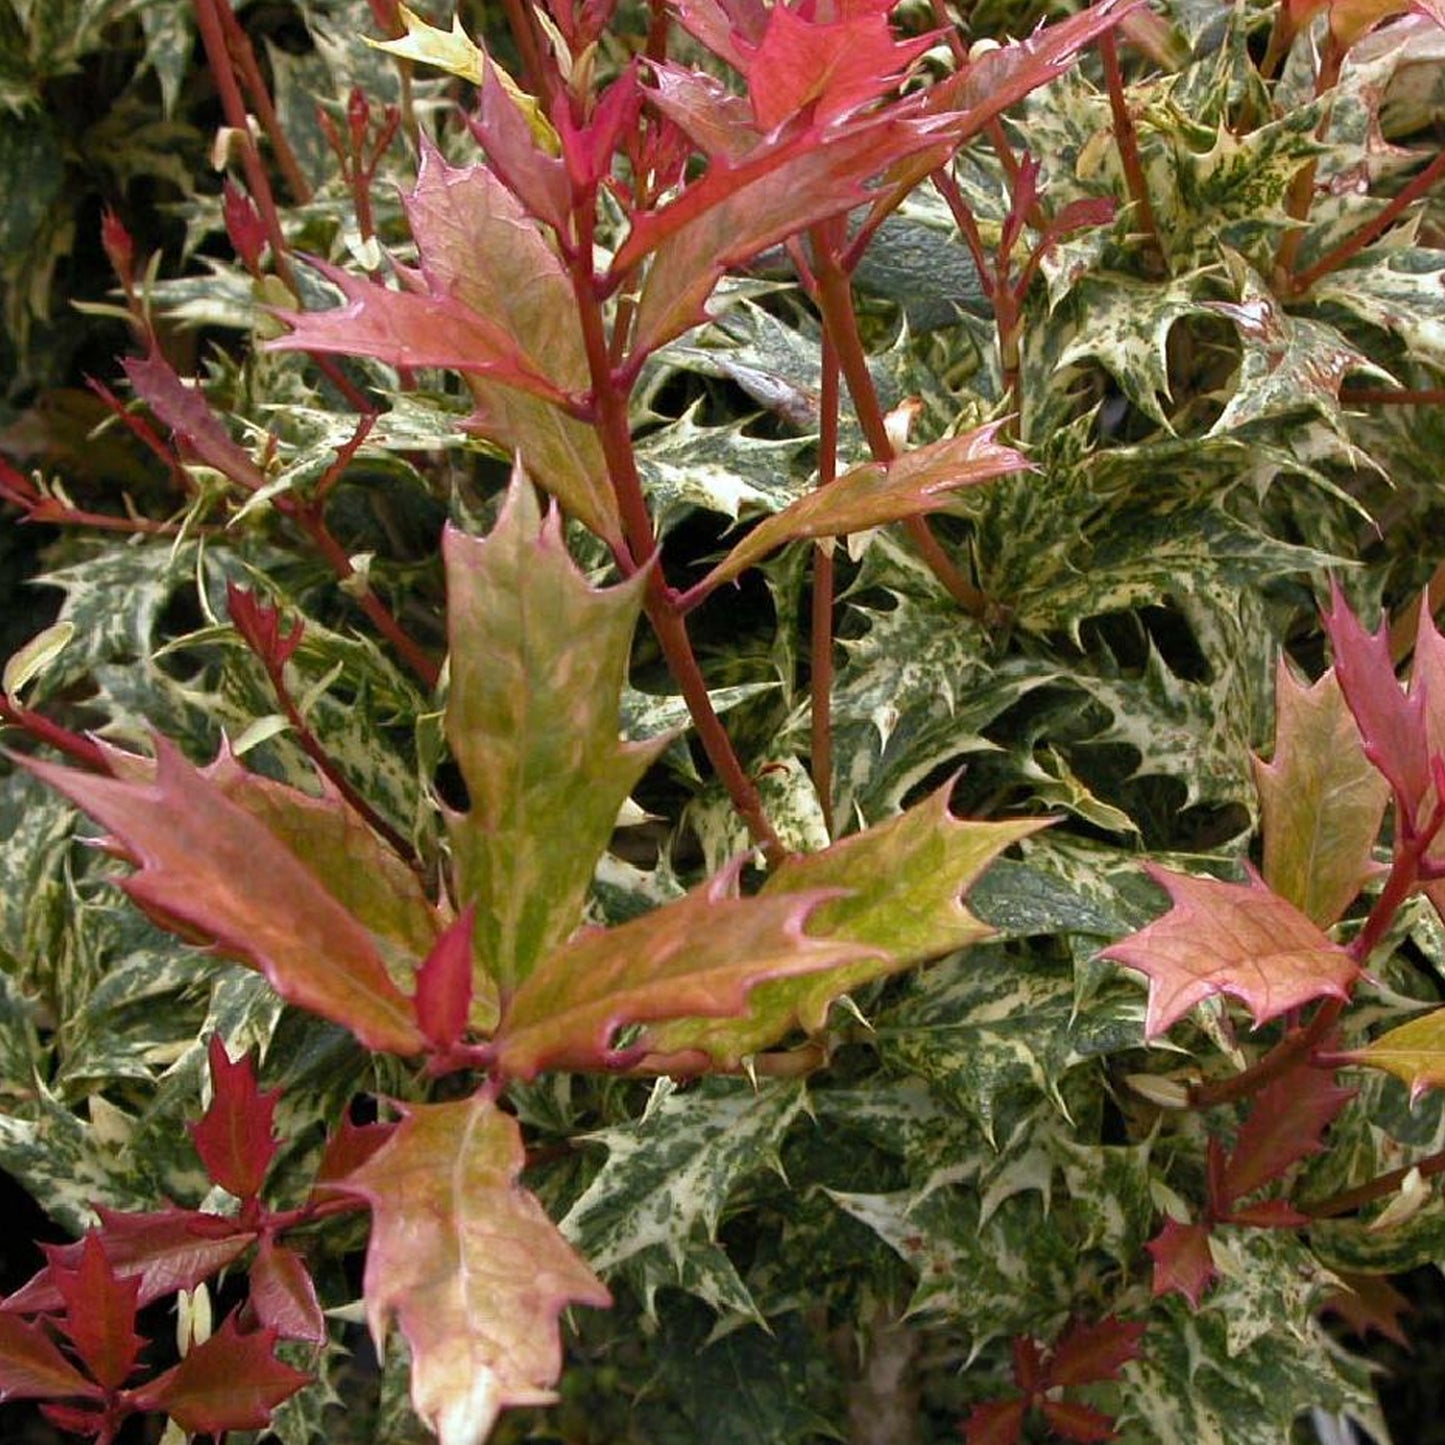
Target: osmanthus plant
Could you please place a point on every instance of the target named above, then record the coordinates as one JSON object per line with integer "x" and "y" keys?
{"x": 567, "y": 866}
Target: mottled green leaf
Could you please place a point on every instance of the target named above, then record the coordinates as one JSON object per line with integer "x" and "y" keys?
{"x": 538, "y": 659}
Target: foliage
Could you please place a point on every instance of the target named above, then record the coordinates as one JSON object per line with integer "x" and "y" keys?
{"x": 657, "y": 702}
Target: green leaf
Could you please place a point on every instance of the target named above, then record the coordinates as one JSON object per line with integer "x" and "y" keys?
{"x": 477, "y": 1289}
{"x": 903, "y": 880}
{"x": 538, "y": 661}
{"x": 654, "y": 1206}
{"x": 1322, "y": 800}
{"x": 700, "y": 956}
{"x": 913, "y": 484}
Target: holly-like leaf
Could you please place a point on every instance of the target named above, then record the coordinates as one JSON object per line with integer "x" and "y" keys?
{"x": 1321, "y": 799}
{"x": 697, "y": 957}
{"x": 1081, "y": 1423}
{"x": 996, "y": 1422}
{"x": 468, "y": 1265}
{"x": 1236, "y": 939}
{"x": 1284, "y": 1126}
{"x": 231, "y": 1381}
{"x": 904, "y": 879}
{"x": 494, "y": 301}
{"x": 32, "y": 1367}
{"x": 1391, "y": 722}
{"x": 235, "y": 1137}
{"x": 100, "y": 1313}
{"x": 166, "y": 1251}
{"x": 915, "y": 483}
{"x": 538, "y": 661}
{"x": 1414, "y": 1052}
{"x": 1427, "y": 681}
{"x": 208, "y": 867}
{"x": 1087, "y": 1353}
{"x": 1182, "y": 1261}
{"x": 283, "y": 1294}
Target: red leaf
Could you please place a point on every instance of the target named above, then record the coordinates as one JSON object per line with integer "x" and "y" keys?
{"x": 100, "y": 1313}
{"x": 1078, "y": 1422}
{"x": 467, "y": 1263}
{"x": 230, "y": 1382}
{"x": 1095, "y": 1352}
{"x": 830, "y": 67}
{"x": 1237, "y": 939}
{"x": 1369, "y": 1302}
{"x": 1391, "y": 722}
{"x": 236, "y": 1138}
{"x": 1268, "y": 1214}
{"x": 444, "y": 983}
{"x": 188, "y": 414}
{"x": 347, "y": 1150}
{"x": 996, "y": 1422}
{"x": 166, "y": 1251}
{"x": 1182, "y": 1260}
{"x": 208, "y": 866}
{"x": 259, "y": 623}
{"x": 75, "y": 1420}
{"x": 1283, "y": 1127}
{"x": 283, "y": 1295}
{"x": 32, "y": 1367}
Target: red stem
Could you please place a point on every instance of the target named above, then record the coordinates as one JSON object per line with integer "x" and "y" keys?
{"x": 820, "y": 682}
{"x": 835, "y": 299}
{"x": 1371, "y": 230}
{"x": 1349, "y": 1200}
{"x": 72, "y": 744}
{"x": 1128, "y": 140}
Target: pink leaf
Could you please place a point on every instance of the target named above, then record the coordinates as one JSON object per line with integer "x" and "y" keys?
{"x": 208, "y": 867}
{"x": 1391, "y": 722}
{"x": 283, "y": 1295}
{"x": 444, "y": 984}
{"x": 1182, "y": 1261}
{"x": 697, "y": 957}
{"x": 166, "y": 1251}
{"x": 230, "y": 1382}
{"x": 1236, "y": 939}
{"x": 235, "y": 1137}
{"x": 187, "y": 412}
{"x": 32, "y": 1367}
{"x": 468, "y": 1265}
{"x": 100, "y": 1313}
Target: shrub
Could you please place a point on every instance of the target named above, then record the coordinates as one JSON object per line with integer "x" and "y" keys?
{"x": 775, "y": 472}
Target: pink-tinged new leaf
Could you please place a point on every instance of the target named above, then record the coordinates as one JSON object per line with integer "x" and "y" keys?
{"x": 468, "y": 1265}
{"x": 1427, "y": 681}
{"x": 1081, "y": 1423}
{"x": 1236, "y": 939}
{"x": 1320, "y": 797}
{"x": 915, "y": 483}
{"x": 231, "y": 1381}
{"x": 536, "y": 177}
{"x": 1286, "y": 1124}
{"x": 410, "y": 328}
{"x": 32, "y": 1367}
{"x": 444, "y": 984}
{"x": 1391, "y": 722}
{"x": 100, "y": 1313}
{"x": 996, "y": 1422}
{"x": 1414, "y": 1053}
{"x": 832, "y": 68}
{"x": 697, "y": 957}
{"x": 904, "y": 882}
{"x": 1182, "y": 1261}
{"x": 1087, "y": 1353}
{"x": 236, "y": 1137}
{"x": 346, "y": 1151}
{"x": 166, "y": 1251}
{"x": 1268, "y": 1214}
{"x": 76, "y": 1419}
{"x": 208, "y": 867}
{"x": 283, "y": 1294}
{"x": 538, "y": 661}
{"x": 735, "y": 211}
{"x": 188, "y": 414}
